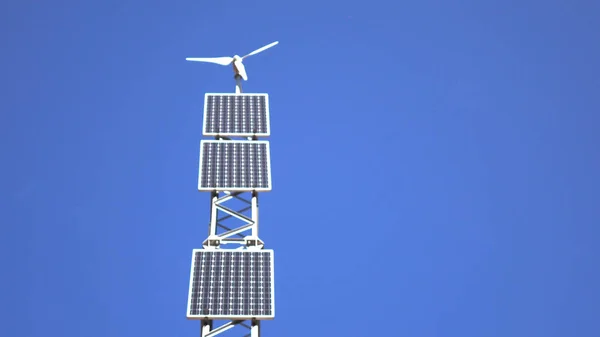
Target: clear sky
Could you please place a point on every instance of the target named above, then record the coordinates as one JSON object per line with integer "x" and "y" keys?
{"x": 435, "y": 164}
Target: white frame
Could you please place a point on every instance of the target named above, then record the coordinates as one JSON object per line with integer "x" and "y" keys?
{"x": 233, "y": 134}
{"x": 239, "y": 317}
{"x": 231, "y": 189}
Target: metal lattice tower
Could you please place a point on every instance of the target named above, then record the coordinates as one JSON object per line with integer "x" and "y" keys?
{"x": 232, "y": 275}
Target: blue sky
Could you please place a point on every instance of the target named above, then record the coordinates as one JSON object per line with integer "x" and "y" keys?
{"x": 435, "y": 164}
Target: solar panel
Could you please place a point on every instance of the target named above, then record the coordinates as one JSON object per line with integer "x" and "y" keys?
{"x": 234, "y": 165}
{"x": 236, "y": 115}
{"x": 231, "y": 284}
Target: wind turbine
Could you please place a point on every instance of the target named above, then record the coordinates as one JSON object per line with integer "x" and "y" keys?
{"x": 236, "y": 61}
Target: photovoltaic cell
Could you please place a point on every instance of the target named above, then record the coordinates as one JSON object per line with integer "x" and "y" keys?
{"x": 234, "y": 165}
{"x": 236, "y": 115}
{"x": 231, "y": 284}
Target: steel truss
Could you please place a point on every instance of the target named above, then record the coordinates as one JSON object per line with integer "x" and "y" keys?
{"x": 246, "y": 216}
{"x": 242, "y": 208}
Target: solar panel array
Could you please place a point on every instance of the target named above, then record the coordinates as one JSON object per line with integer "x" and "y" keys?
{"x": 233, "y": 165}
{"x": 236, "y": 115}
{"x": 231, "y": 284}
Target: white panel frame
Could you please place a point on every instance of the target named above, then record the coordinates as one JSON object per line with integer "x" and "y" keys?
{"x": 228, "y": 188}
{"x": 233, "y": 317}
{"x": 234, "y": 134}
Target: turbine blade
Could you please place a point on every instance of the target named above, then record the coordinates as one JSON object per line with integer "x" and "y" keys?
{"x": 261, "y": 49}
{"x": 224, "y": 61}
{"x": 241, "y": 69}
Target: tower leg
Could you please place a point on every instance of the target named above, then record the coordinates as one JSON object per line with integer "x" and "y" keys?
{"x": 255, "y": 329}
{"x": 205, "y": 328}
{"x": 255, "y": 214}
